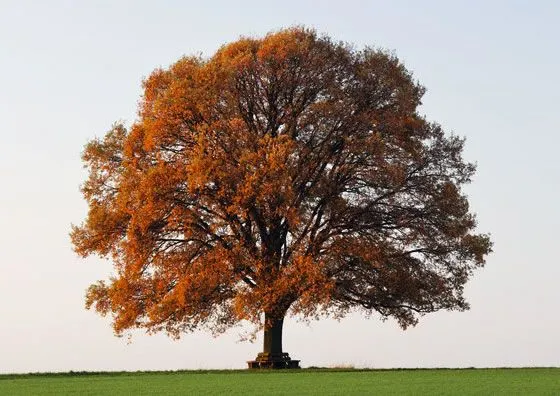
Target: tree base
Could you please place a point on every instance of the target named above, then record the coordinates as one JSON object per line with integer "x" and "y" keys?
{"x": 267, "y": 360}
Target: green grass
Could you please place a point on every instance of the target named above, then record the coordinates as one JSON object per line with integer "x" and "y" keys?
{"x": 524, "y": 381}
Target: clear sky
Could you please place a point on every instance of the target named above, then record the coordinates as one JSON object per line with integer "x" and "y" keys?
{"x": 69, "y": 69}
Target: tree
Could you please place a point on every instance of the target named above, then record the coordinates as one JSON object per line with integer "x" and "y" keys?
{"x": 288, "y": 174}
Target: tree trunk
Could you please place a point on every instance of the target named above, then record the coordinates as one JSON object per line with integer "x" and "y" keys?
{"x": 272, "y": 355}
{"x": 272, "y": 335}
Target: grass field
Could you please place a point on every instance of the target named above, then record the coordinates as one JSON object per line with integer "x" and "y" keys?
{"x": 524, "y": 381}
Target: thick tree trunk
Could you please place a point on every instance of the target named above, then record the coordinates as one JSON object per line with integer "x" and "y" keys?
{"x": 272, "y": 355}
{"x": 272, "y": 335}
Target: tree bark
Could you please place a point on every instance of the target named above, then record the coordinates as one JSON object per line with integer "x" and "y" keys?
{"x": 272, "y": 334}
{"x": 272, "y": 355}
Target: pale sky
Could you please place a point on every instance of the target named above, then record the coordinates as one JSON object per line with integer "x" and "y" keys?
{"x": 69, "y": 69}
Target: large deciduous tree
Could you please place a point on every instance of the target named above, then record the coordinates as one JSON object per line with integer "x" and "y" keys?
{"x": 288, "y": 174}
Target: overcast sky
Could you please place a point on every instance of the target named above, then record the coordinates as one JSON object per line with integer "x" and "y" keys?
{"x": 69, "y": 69}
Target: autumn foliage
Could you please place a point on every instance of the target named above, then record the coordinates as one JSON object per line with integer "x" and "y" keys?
{"x": 284, "y": 175}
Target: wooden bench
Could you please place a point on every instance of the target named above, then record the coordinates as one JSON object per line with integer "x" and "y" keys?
{"x": 273, "y": 364}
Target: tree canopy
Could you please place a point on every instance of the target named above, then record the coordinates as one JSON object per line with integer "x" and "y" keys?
{"x": 289, "y": 174}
